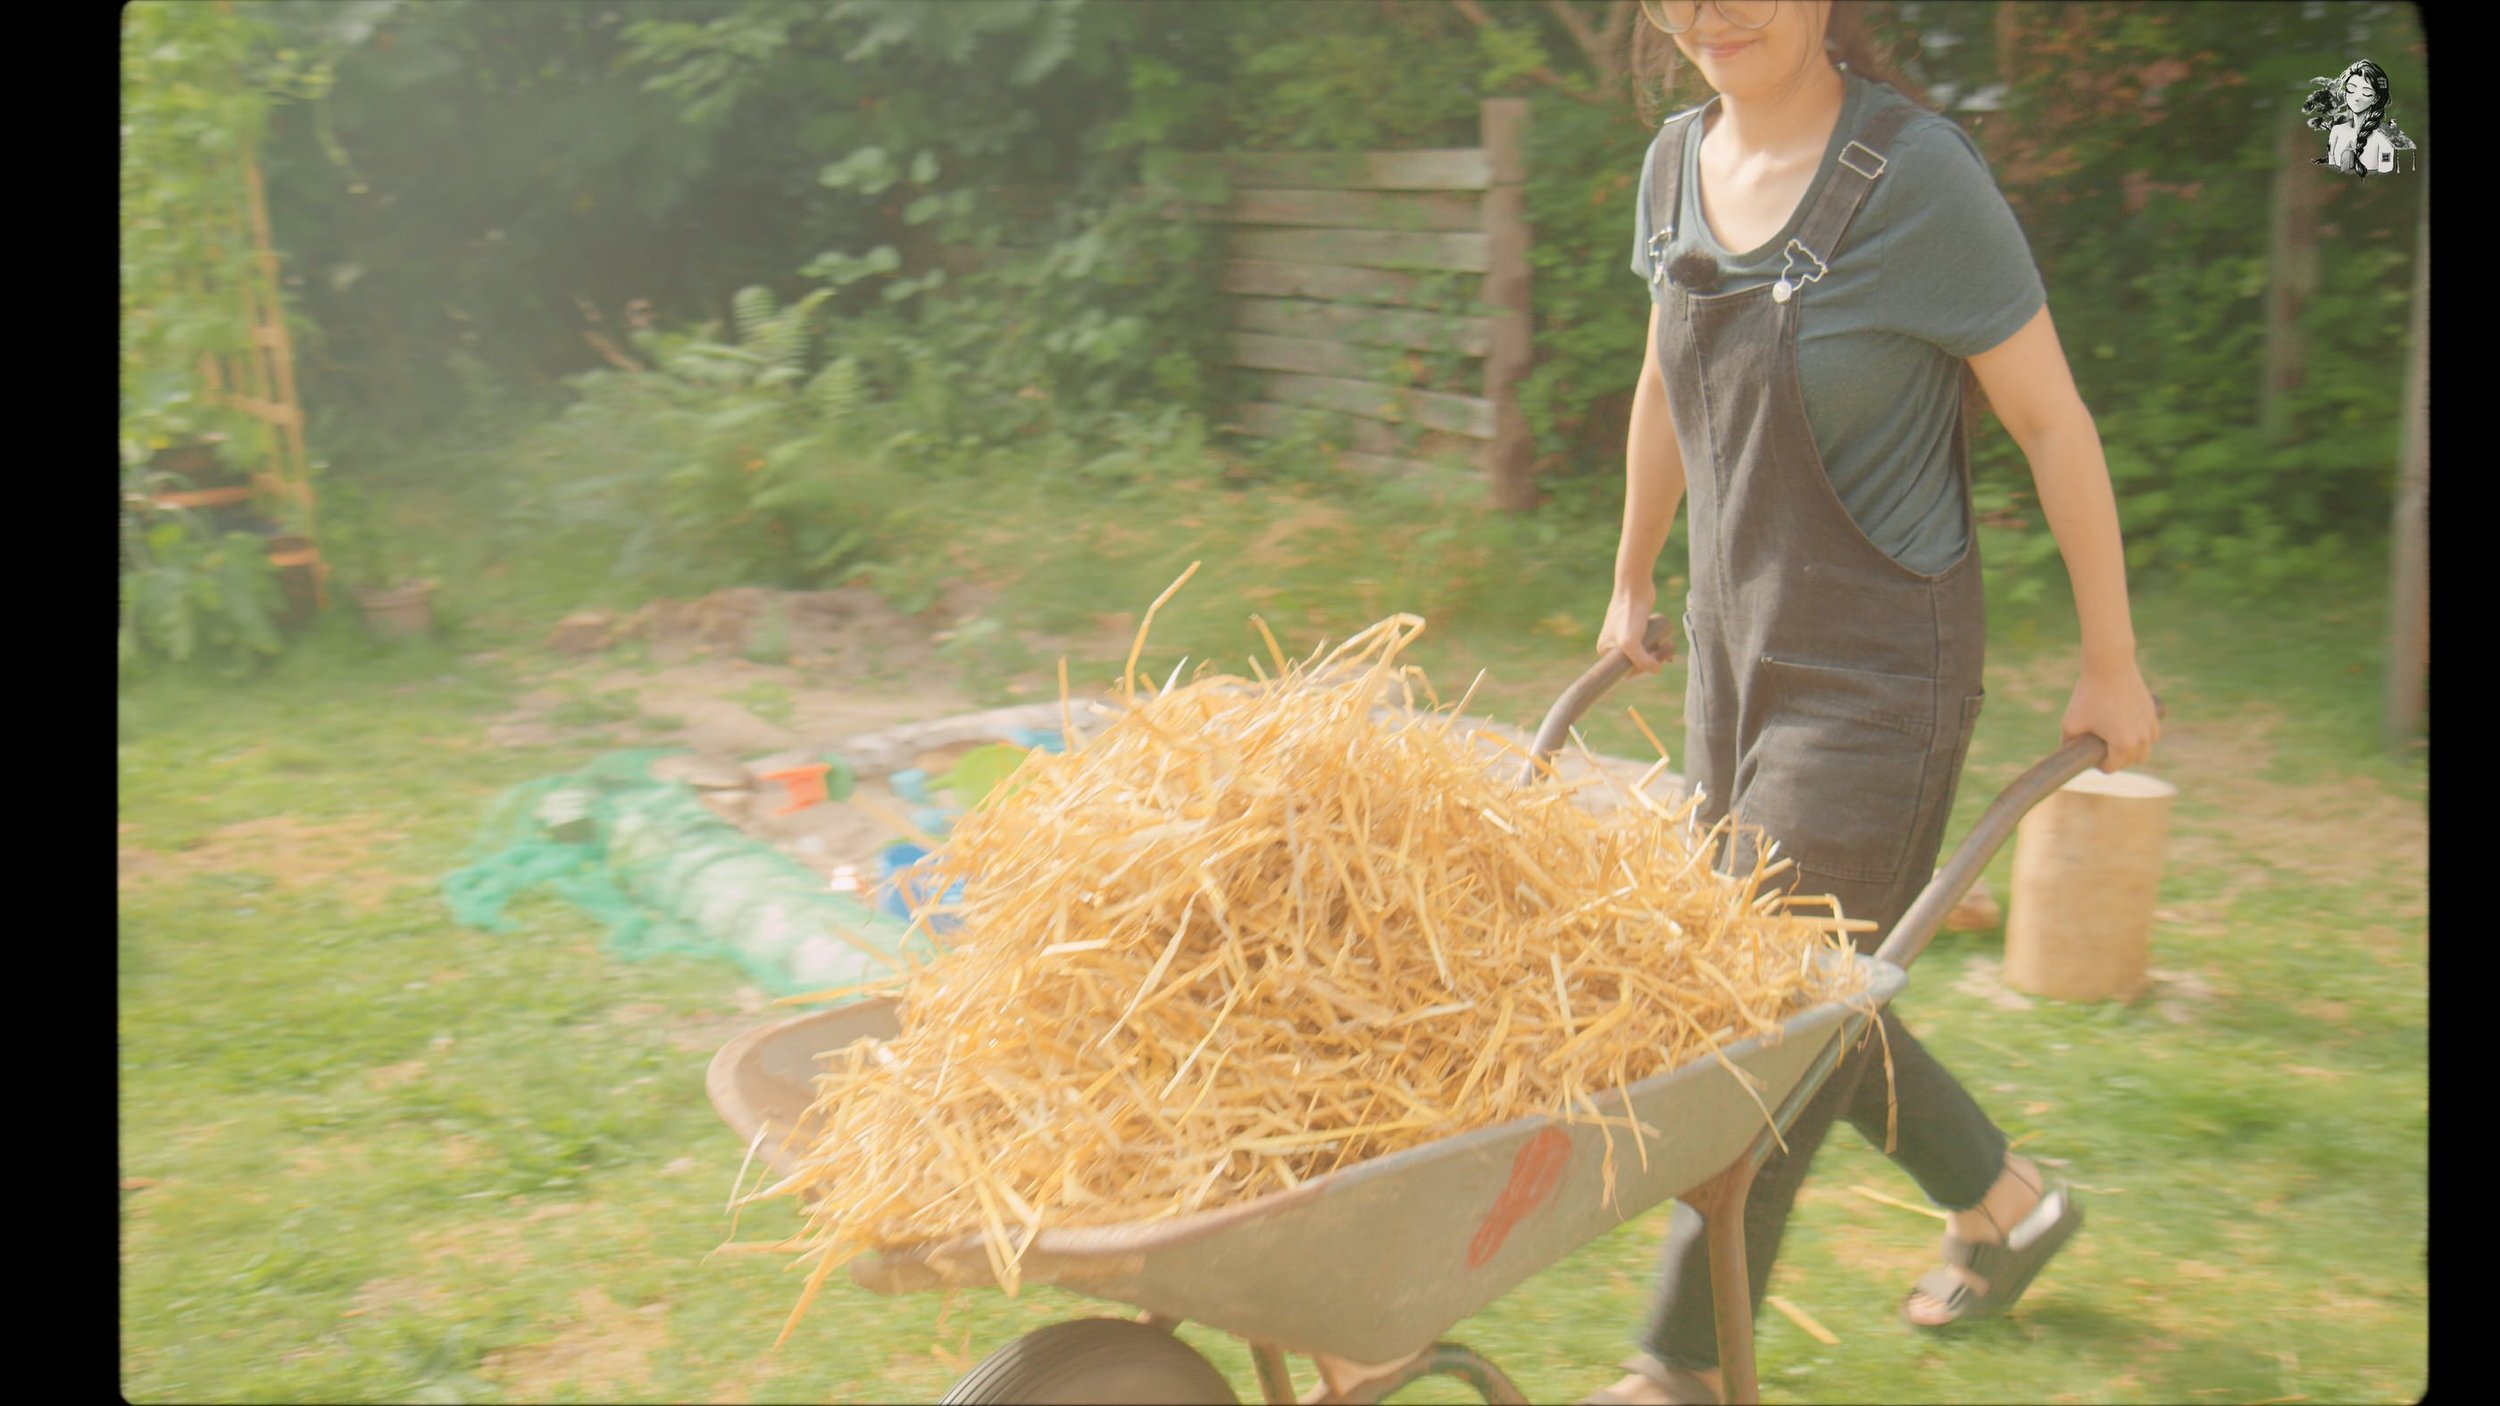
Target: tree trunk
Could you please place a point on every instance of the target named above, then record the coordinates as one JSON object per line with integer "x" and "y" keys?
{"x": 2409, "y": 605}
{"x": 2291, "y": 277}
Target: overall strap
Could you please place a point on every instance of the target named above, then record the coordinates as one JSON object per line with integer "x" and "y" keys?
{"x": 1861, "y": 161}
{"x": 1666, "y": 185}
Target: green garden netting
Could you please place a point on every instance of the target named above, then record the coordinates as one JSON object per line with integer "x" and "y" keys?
{"x": 648, "y": 860}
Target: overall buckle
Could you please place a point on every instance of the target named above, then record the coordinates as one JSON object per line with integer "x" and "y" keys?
{"x": 1871, "y": 154}
{"x": 1790, "y": 282}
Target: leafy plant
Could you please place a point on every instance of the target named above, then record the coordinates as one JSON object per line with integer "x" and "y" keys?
{"x": 729, "y": 458}
{"x": 361, "y": 545}
{"x": 189, "y": 592}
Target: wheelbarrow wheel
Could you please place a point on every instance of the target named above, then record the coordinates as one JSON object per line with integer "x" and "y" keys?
{"x": 1112, "y": 1361}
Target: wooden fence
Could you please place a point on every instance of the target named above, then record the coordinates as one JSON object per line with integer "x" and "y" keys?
{"x": 1337, "y": 266}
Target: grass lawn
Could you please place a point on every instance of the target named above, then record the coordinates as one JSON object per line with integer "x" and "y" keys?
{"x": 367, "y": 1155}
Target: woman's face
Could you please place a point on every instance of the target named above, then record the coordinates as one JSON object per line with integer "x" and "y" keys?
{"x": 1756, "y": 63}
{"x": 2360, "y": 95}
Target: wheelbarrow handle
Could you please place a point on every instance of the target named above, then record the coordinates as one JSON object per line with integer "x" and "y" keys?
{"x": 1583, "y": 695}
{"x": 1926, "y": 914}
{"x": 1918, "y": 926}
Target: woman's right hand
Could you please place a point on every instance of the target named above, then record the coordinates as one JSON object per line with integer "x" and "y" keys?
{"x": 1627, "y": 618}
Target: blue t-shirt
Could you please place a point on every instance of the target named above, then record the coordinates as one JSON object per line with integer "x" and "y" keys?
{"x": 1934, "y": 270}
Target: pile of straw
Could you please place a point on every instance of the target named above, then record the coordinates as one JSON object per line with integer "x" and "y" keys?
{"x": 1253, "y": 932}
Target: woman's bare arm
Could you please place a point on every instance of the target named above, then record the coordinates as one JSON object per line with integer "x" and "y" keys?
{"x": 2032, "y": 390}
{"x": 1653, "y": 471}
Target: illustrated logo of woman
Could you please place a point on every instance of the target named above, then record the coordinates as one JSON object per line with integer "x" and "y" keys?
{"x": 2351, "y": 108}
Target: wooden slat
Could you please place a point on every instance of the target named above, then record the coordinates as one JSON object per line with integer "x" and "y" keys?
{"x": 1463, "y": 253}
{"x": 1269, "y": 421}
{"x": 1342, "y": 209}
{"x": 1464, "y": 168}
{"x": 1263, "y": 352}
{"x": 1458, "y": 414}
{"x": 204, "y": 498}
{"x": 1336, "y": 282}
{"x": 1366, "y": 326}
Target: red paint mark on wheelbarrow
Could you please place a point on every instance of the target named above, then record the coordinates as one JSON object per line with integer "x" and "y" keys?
{"x": 1534, "y": 1174}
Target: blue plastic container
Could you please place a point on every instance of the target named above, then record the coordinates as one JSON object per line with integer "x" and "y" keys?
{"x": 900, "y": 887}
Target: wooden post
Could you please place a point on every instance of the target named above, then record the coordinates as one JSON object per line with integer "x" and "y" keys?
{"x": 2409, "y": 596}
{"x": 1504, "y": 123}
{"x": 2087, "y": 869}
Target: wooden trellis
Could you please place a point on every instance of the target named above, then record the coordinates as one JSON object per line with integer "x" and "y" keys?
{"x": 259, "y": 381}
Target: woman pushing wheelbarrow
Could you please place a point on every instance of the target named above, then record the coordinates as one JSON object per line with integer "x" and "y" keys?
{"x": 1831, "y": 268}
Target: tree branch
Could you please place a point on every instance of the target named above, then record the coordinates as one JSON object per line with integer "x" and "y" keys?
{"x": 612, "y": 354}
{"x": 1477, "y": 17}
{"x": 1590, "y": 45}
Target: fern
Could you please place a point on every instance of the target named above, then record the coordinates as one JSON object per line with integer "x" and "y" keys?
{"x": 837, "y": 392}
{"x": 780, "y": 341}
{"x": 752, "y": 312}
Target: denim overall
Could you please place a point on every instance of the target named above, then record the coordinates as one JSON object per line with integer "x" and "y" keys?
{"x": 1830, "y": 695}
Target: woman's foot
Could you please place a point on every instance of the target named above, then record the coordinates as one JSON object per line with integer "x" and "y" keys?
{"x": 1951, "y": 1292}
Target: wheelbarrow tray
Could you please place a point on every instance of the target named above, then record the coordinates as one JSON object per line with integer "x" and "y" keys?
{"x": 1376, "y": 1260}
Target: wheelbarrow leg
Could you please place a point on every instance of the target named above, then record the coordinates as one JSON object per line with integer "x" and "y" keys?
{"x": 1275, "y": 1375}
{"x": 1348, "y": 1384}
{"x": 1721, "y": 1203}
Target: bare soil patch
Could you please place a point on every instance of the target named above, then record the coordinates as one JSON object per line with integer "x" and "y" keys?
{"x": 295, "y": 854}
{"x": 604, "y": 1352}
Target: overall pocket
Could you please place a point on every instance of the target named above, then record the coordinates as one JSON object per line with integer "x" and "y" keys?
{"x": 1839, "y": 774}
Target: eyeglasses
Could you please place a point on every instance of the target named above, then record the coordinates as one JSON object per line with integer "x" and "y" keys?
{"x": 1677, "y": 16}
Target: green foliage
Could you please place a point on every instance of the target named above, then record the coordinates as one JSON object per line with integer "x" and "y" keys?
{"x": 189, "y": 592}
{"x": 2140, "y": 145}
{"x": 479, "y": 174}
{"x": 1347, "y": 78}
{"x": 726, "y": 460}
{"x": 1583, "y": 175}
{"x": 976, "y": 192}
{"x": 362, "y": 544}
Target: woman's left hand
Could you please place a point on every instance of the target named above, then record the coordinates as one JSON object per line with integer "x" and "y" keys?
{"x": 2114, "y": 705}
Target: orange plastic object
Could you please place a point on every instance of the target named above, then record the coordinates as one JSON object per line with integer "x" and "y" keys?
{"x": 806, "y": 785}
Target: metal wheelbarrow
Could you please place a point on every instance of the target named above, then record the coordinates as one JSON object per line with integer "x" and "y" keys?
{"x": 1463, "y": 1219}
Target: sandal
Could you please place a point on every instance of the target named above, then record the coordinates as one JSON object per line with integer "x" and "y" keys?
{"x": 2009, "y": 1268}
{"x": 1682, "y": 1387}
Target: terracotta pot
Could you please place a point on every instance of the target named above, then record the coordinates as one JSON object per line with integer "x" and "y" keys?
{"x": 398, "y": 611}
